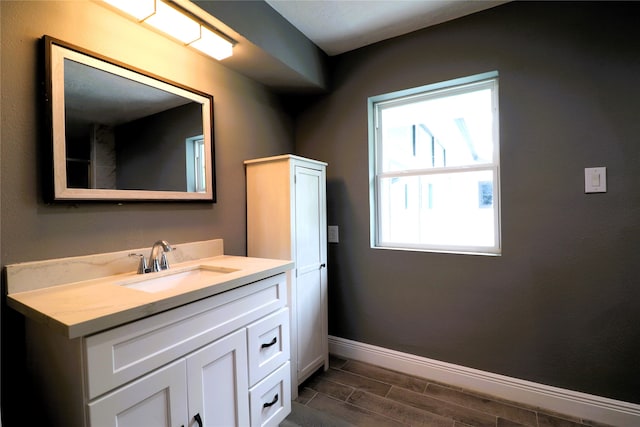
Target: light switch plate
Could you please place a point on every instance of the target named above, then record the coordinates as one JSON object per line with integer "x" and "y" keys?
{"x": 333, "y": 234}
{"x": 595, "y": 180}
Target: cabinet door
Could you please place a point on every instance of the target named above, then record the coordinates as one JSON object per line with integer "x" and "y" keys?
{"x": 311, "y": 276}
{"x": 218, "y": 383}
{"x": 158, "y": 399}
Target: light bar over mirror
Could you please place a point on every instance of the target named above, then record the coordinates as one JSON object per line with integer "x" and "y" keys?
{"x": 178, "y": 24}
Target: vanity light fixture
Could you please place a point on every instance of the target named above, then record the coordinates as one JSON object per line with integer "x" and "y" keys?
{"x": 212, "y": 44}
{"x": 178, "y": 25}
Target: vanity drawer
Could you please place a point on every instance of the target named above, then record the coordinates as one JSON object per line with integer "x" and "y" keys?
{"x": 270, "y": 399}
{"x": 122, "y": 354}
{"x": 268, "y": 344}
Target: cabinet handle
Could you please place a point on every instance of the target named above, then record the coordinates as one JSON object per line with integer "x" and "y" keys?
{"x": 198, "y": 419}
{"x": 273, "y": 341}
{"x": 323, "y": 265}
{"x": 270, "y": 404}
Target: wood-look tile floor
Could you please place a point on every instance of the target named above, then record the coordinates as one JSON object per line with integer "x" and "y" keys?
{"x": 353, "y": 393}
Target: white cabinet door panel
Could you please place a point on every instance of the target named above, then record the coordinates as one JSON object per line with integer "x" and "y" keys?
{"x": 218, "y": 382}
{"x": 308, "y": 214}
{"x": 310, "y": 232}
{"x": 158, "y": 399}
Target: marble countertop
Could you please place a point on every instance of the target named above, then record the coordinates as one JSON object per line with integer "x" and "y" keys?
{"x": 88, "y": 306}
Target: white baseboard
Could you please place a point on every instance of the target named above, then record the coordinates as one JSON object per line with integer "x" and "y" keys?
{"x": 573, "y": 403}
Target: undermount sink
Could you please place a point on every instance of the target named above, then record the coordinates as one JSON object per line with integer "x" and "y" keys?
{"x": 165, "y": 280}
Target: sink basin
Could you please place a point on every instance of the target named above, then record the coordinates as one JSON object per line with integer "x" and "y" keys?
{"x": 166, "y": 280}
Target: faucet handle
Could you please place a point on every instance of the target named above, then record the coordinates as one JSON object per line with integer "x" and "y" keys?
{"x": 164, "y": 263}
{"x": 142, "y": 265}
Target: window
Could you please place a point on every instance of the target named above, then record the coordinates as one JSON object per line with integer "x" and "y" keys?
{"x": 196, "y": 170}
{"x": 434, "y": 167}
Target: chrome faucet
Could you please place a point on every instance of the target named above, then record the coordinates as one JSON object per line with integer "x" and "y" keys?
{"x": 157, "y": 260}
{"x": 156, "y": 264}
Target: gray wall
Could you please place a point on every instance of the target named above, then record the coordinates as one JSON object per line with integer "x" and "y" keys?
{"x": 249, "y": 123}
{"x": 561, "y": 305}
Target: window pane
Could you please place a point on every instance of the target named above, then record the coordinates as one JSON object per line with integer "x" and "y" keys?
{"x": 437, "y": 130}
{"x": 444, "y": 210}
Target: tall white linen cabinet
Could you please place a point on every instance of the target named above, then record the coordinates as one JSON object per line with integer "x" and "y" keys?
{"x": 287, "y": 219}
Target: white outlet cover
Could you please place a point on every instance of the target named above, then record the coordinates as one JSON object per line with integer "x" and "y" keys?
{"x": 595, "y": 180}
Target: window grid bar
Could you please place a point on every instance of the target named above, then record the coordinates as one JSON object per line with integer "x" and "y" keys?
{"x": 437, "y": 171}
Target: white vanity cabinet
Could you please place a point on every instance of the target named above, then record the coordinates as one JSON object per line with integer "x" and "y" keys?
{"x": 208, "y": 387}
{"x": 286, "y": 219}
{"x": 218, "y": 361}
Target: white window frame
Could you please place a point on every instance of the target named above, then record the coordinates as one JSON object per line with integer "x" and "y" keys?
{"x": 196, "y": 174}
{"x": 375, "y": 103}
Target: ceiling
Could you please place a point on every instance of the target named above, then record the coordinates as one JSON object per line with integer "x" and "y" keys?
{"x": 284, "y": 44}
{"x": 338, "y": 26}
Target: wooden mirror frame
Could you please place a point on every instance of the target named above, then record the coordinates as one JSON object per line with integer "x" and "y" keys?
{"x": 56, "y": 186}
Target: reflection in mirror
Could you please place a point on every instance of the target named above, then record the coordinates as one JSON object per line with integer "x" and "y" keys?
{"x": 119, "y": 134}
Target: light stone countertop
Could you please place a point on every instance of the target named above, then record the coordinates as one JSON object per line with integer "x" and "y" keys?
{"x": 85, "y": 307}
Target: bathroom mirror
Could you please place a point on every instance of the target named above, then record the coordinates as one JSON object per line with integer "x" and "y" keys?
{"x": 121, "y": 134}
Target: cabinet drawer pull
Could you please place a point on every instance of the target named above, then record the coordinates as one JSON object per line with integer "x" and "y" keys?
{"x": 273, "y": 341}
{"x": 198, "y": 419}
{"x": 270, "y": 404}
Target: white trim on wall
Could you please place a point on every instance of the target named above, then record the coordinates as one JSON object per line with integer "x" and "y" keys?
{"x": 568, "y": 402}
